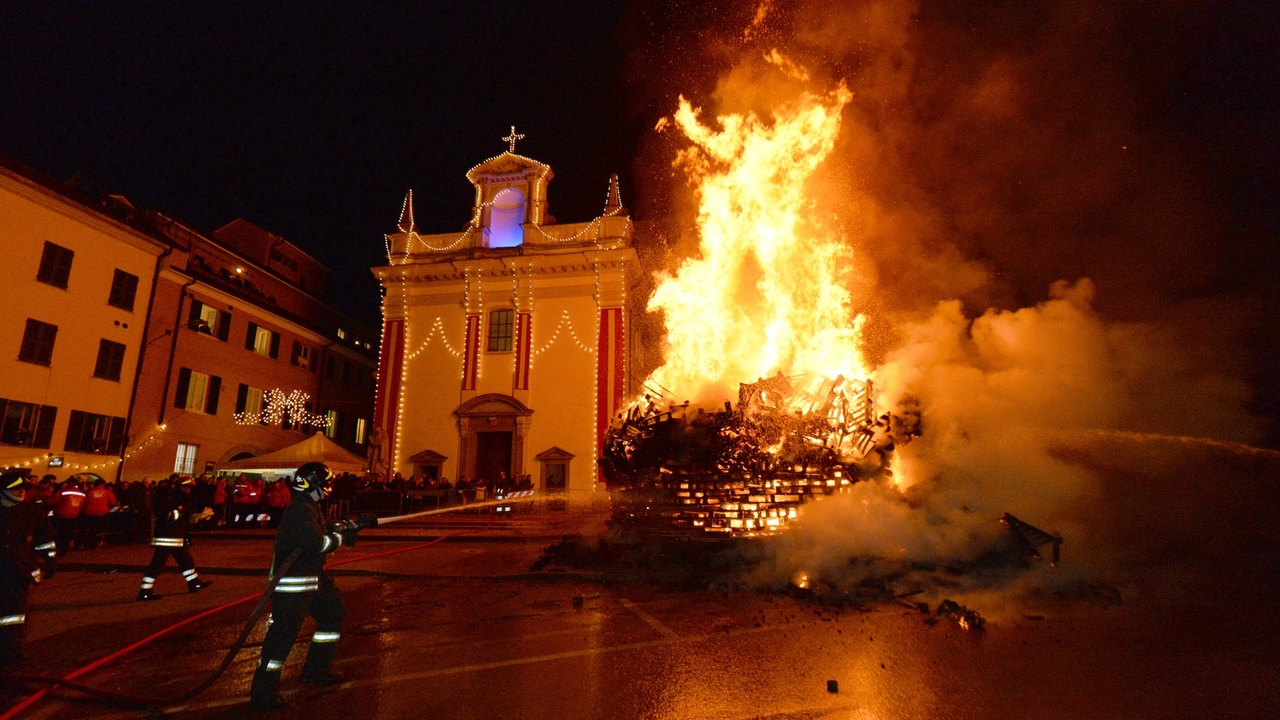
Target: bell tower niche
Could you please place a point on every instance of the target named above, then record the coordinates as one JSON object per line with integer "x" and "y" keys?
{"x": 511, "y": 194}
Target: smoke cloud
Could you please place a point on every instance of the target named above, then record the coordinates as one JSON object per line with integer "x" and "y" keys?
{"x": 1041, "y": 256}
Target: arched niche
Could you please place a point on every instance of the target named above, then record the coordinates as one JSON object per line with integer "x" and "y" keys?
{"x": 506, "y": 216}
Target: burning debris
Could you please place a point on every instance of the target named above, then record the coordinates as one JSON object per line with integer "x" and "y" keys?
{"x": 745, "y": 470}
{"x": 964, "y": 617}
{"x": 1033, "y": 538}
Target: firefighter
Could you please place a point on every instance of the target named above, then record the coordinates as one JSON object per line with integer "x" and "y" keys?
{"x": 173, "y": 520}
{"x": 304, "y": 588}
{"x": 27, "y": 538}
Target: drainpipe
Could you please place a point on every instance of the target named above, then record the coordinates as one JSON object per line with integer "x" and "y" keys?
{"x": 173, "y": 349}
{"x": 142, "y": 354}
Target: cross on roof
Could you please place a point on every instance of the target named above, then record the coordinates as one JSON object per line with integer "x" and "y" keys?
{"x": 512, "y": 138}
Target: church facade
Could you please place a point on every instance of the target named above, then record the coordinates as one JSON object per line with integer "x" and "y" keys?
{"x": 504, "y": 346}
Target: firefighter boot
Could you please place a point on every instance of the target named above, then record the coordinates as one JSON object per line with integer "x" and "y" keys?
{"x": 262, "y": 696}
{"x": 315, "y": 671}
{"x": 197, "y": 584}
{"x": 147, "y": 594}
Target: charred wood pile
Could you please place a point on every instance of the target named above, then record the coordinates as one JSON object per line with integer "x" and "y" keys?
{"x": 678, "y": 470}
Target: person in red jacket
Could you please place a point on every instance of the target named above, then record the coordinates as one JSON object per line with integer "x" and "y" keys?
{"x": 219, "y": 501}
{"x": 244, "y": 500}
{"x": 67, "y": 504}
{"x": 99, "y": 500}
{"x": 277, "y": 497}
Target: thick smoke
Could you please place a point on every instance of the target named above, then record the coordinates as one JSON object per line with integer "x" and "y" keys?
{"x": 990, "y": 156}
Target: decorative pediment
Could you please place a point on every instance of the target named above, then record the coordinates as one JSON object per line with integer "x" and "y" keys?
{"x": 494, "y": 404}
{"x": 428, "y": 457}
{"x": 554, "y": 454}
{"x": 508, "y": 163}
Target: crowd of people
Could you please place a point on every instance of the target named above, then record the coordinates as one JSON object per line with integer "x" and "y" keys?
{"x": 85, "y": 508}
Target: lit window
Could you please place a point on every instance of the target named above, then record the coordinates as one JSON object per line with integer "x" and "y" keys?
{"x": 331, "y": 424}
{"x": 362, "y": 430}
{"x": 185, "y": 462}
{"x": 262, "y": 341}
{"x": 249, "y": 402}
{"x": 210, "y": 316}
{"x": 197, "y": 392}
{"x": 88, "y": 432}
{"x": 501, "y": 327}
{"x": 342, "y": 334}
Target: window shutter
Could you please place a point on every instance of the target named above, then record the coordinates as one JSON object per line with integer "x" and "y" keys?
{"x": 74, "y": 429}
{"x": 211, "y": 399}
{"x": 194, "y": 316}
{"x": 44, "y": 428}
{"x": 115, "y": 436}
{"x": 184, "y": 383}
{"x": 242, "y": 397}
{"x": 250, "y": 336}
{"x": 275, "y": 345}
{"x": 224, "y": 325}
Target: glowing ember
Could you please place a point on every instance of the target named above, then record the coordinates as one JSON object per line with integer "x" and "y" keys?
{"x": 765, "y": 295}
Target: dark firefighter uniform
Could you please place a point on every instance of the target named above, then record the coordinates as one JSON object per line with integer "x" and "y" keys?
{"x": 173, "y": 522}
{"x": 304, "y": 588}
{"x": 26, "y": 540}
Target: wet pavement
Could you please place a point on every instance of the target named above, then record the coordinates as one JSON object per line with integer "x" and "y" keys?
{"x": 465, "y": 629}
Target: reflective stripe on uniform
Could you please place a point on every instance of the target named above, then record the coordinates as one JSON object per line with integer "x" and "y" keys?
{"x": 36, "y": 574}
{"x": 189, "y": 574}
{"x": 47, "y": 546}
{"x": 323, "y": 637}
{"x": 148, "y": 583}
{"x": 167, "y": 542}
{"x": 274, "y": 665}
{"x": 298, "y": 584}
{"x": 13, "y": 619}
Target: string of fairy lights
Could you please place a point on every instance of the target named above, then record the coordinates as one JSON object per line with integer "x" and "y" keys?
{"x": 111, "y": 462}
{"x": 473, "y": 299}
{"x": 276, "y": 403}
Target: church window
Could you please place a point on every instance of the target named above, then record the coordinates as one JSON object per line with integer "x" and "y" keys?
{"x": 506, "y": 215}
{"x": 501, "y": 330}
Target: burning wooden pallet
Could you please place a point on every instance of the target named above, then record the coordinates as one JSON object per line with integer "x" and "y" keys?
{"x": 678, "y": 469}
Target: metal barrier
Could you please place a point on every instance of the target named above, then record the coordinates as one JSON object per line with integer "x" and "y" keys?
{"x": 386, "y": 502}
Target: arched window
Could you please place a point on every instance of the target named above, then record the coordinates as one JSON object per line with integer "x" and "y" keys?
{"x": 506, "y": 214}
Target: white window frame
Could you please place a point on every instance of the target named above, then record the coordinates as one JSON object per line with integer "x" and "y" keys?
{"x": 184, "y": 463}
{"x": 262, "y": 341}
{"x": 197, "y": 392}
{"x": 252, "y": 402}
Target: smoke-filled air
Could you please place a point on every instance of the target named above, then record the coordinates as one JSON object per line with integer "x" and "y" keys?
{"x": 894, "y": 190}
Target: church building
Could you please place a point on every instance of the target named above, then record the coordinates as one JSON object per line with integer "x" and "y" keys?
{"x": 504, "y": 346}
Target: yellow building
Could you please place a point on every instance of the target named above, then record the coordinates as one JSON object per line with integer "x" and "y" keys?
{"x": 78, "y": 284}
{"x": 504, "y": 345}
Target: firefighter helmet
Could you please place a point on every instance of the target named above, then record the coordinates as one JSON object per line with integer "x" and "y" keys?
{"x": 313, "y": 478}
{"x": 13, "y": 482}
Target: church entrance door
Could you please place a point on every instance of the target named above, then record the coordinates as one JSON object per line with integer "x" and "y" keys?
{"x": 493, "y": 455}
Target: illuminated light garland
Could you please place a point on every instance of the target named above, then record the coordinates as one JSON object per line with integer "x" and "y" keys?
{"x": 404, "y": 378}
{"x": 275, "y": 403}
{"x": 564, "y": 318}
{"x": 94, "y": 466}
{"x": 437, "y": 328}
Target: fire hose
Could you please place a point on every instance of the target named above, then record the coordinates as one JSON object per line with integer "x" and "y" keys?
{"x": 134, "y": 701}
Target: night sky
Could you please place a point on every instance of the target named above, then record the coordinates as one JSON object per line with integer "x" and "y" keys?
{"x": 995, "y": 147}
{"x": 314, "y": 123}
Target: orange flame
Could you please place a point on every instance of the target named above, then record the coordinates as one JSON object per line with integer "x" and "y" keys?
{"x": 765, "y": 293}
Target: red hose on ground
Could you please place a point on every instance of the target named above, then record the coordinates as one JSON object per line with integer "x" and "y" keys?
{"x": 37, "y": 695}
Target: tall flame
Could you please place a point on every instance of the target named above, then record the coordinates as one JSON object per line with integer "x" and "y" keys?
{"x": 764, "y": 295}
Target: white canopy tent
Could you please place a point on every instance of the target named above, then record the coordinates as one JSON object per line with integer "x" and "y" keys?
{"x": 285, "y": 461}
